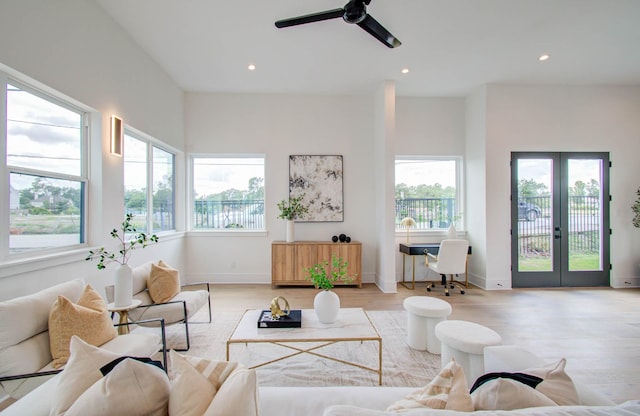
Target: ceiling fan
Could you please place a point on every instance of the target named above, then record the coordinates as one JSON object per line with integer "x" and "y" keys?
{"x": 353, "y": 12}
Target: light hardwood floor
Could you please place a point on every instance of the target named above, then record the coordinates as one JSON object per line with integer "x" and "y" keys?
{"x": 597, "y": 330}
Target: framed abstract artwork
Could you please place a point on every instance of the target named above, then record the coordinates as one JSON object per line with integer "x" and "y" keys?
{"x": 319, "y": 179}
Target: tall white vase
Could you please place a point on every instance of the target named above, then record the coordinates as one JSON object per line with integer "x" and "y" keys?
{"x": 451, "y": 232}
{"x": 123, "y": 286}
{"x": 291, "y": 237}
{"x": 327, "y": 306}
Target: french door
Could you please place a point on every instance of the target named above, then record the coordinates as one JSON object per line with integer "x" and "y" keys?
{"x": 559, "y": 219}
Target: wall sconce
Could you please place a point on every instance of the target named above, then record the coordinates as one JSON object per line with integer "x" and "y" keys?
{"x": 117, "y": 136}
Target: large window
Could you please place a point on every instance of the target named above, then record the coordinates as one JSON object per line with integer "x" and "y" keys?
{"x": 428, "y": 190}
{"x": 228, "y": 192}
{"x": 148, "y": 183}
{"x": 45, "y": 155}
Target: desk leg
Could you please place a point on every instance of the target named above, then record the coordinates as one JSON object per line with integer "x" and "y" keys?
{"x": 413, "y": 272}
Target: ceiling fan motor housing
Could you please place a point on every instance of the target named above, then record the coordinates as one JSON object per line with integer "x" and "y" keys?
{"x": 355, "y": 11}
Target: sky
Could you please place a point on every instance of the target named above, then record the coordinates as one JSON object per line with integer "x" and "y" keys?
{"x": 413, "y": 172}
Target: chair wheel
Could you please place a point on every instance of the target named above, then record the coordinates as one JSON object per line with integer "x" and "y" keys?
{"x": 462, "y": 292}
{"x": 446, "y": 294}
{"x": 428, "y": 289}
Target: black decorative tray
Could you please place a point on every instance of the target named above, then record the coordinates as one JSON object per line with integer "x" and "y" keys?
{"x": 293, "y": 320}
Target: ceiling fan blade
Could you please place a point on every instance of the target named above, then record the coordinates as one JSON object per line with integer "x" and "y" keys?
{"x": 310, "y": 18}
{"x": 376, "y": 30}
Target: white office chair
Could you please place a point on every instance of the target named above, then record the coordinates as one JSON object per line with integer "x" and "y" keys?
{"x": 451, "y": 260}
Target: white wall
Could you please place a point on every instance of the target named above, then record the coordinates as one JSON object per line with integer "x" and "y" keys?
{"x": 73, "y": 47}
{"x": 278, "y": 126}
{"x": 547, "y": 118}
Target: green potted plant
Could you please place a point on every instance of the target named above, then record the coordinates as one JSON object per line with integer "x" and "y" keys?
{"x": 129, "y": 239}
{"x": 324, "y": 275}
{"x": 636, "y": 211}
{"x": 290, "y": 210}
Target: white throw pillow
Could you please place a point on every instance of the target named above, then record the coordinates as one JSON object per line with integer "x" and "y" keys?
{"x": 556, "y": 384}
{"x": 238, "y": 395}
{"x": 507, "y": 394}
{"x": 194, "y": 383}
{"x": 132, "y": 388}
{"x": 448, "y": 390}
{"x": 81, "y": 371}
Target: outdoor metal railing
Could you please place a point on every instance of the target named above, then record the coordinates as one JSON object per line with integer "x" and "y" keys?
{"x": 248, "y": 214}
{"x": 582, "y": 228}
{"x": 428, "y": 213}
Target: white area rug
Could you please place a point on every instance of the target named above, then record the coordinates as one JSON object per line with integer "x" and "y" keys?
{"x": 401, "y": 366}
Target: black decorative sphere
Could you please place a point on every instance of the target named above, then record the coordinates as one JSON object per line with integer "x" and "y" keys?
{"x": 334, "y": 238}
{"x": 348, "y": 239}
{"x": 342, "y": 238}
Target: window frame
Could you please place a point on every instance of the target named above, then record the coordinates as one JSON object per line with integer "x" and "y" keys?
{"x": 9, "y": 76}
{"x": 459, "y": 194}
{"x": 151, "y": 143}
{"x": 191, "y": 195}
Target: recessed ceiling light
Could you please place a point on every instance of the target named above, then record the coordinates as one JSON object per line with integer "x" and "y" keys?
{"x": 543, "y": 57}
{"x": 251, "y": 67}
{"x": 405, "y": 70}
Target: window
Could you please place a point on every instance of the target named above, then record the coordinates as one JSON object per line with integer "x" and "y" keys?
{"x": 428, "y": 190}
{"x": 228, "y": 192}
{"x": 47, "y": 169}
{"x": 148, "y": 190}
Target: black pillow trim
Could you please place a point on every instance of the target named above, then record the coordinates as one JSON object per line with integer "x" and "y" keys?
{"x": 106, "y": 369}
{"x": 528, "y": 379}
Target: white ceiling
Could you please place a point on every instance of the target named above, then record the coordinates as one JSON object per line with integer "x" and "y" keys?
{"x": 450, "y": 46}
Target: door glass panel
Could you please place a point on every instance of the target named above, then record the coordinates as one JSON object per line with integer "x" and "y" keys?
{"x": 584, "y": 216}
{"x": 535, "y": 216}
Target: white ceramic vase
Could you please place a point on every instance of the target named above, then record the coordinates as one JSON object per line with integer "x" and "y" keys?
{"x": 327, "y": 306}
{"x": 123, "y": 286}
{"x": 291, "y": 237}
{"x": 451, "y": 232}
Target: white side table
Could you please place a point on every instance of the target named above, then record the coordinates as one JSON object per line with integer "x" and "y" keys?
{"x": 123, "y": 311}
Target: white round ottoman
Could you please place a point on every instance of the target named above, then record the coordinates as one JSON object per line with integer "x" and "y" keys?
{"x": 465, "y": 341}
{"x": 423, "y": 314}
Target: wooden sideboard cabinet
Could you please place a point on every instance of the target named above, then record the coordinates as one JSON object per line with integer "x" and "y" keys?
{"x": 289, "y": 260}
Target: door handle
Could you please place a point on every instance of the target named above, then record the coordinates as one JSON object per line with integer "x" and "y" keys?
{"x": 557, "y": 234}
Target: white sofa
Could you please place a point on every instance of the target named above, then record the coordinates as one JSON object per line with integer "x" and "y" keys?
{"x": 372, "y": 401}
{"x": 24, "y": 338}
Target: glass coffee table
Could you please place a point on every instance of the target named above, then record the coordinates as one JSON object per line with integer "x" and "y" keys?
{"x": 352, "y": 325}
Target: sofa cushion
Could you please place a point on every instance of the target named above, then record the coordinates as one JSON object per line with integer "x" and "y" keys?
{"x": 625, "y": 409}
{"x": 131, "y": 388}
{"x": 163, "y": 282}
{"x": 24, "y": 340}
{"x": 25, "y": 316}
{"x": 139, "y": 276}
{"x": 507, "y": 394}
{"x": 448, "y": 390}
{"x": 194, "y": 383}
{"x": 173, "y": 312}
{"x": 88, "y": 319}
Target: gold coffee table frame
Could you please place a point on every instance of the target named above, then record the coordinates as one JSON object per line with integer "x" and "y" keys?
{"x": 352, "y": 325}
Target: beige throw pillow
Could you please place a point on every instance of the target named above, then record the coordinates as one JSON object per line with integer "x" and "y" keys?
{"x": 88, "y": 319}
{"x": 238, "y": 395}
{"x": 556, "y": 383}
{"x": 448, "y": 390}
{"x": 163, "y": 282}
{"x": 194, "y": 383}
{"x": 507, "y": 394}
{"x": 82, "y": 370}
{"x": 131, "y": 388}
